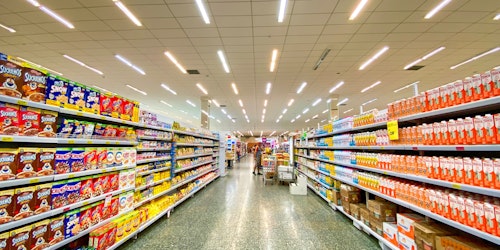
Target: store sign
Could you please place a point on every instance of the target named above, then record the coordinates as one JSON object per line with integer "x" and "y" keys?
{"x": 264, "y": 139}
{"x": 393, "y": 130}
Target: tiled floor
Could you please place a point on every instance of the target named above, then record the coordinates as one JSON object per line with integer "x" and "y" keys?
{"x": 238, "y": 212}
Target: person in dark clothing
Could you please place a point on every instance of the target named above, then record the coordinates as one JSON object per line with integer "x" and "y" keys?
{"x": 258, "y": 154}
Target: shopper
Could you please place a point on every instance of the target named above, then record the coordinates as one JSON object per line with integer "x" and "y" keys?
{"x": 238, "y": 153}
{"x": 257, "y": 154}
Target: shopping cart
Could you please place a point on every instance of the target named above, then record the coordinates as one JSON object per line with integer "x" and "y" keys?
{"x": 269, "y": 168}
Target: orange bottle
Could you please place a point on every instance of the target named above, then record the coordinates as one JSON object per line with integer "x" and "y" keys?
{"x": 450, "y": 94}
{"x": 462, "y": 213}
{"x": 436, "y": 133}
{"x": 478, "y": 179}
{"x": 478, "y": 88}
{"x": 452, "y": 127}
{"x": 468, "y": 89}
{"x": 459, "y": 92}
{"x": 468, "y": 171}
{"x": 428, "y": 165}
{"x": 479, "y": 211}
{"x": 495, "y": 78}
{"x": 479, "y": 128}
{"x": 487, "y": 84}
{"x": 445, "y": 133}
{"x": 420, "y": 139}
{"x": 461, "y": 131}
{"x": 451, "y": 169}
{"x": 496, "y": 206}
{"x": 443, "y": 92}
{"x": 436, "y": 168}
{"x": 443, "y": 164}
{"x": 452, "y": 197}
{"x": 489, "y": 174}
{"x": 491, "y": 223}
{"x": 490, "y": 130}
{"x": 469, "y": 208}
{"x": 458, "y": 167}
{"x": 470, "y": 131}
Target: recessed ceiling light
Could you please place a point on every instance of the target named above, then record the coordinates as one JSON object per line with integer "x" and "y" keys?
{"x": 336, "y": 87}
{"x": 244, "y": 111}
{"x": 293, "y": 120}
{"x": 297, "y": 117}
{"x": 83, "y": 64}
{"x": 168, "y": 89}
{"x": 166, "y": 103}
{"x": 190, "y": 103}
{"x": 127, "y": 12}
{"x": 316, "y": 102}
{"x": 476, "y": 57}
{"x": 11, "y": 30}
{"x": 223, "y": 111}
{"x": 263, "y": 111}
{"x": 305, "y": 111}
{"x": 268, "y": 88}
{"x": 290, "y": 102}
{"x": 315, "y": 116}
{"x": 358, "y": 9}
{"x": 203, "y": 11}
{"x": 265, "y": 103}
{"x": 324, "y": 111}
{"x": 218, "y": 121}
{"x": 136, "y": 89}
{"x": 308, "y": 120}
{"x": 368, "y": 102}
{"x": 223, "y": 60}
{"x": 343, "y": 101}
{"x": 370, "y": 87}
{"x": 277, "y": 120}
{"x": 437, "y": 9}
{"x": 201, "y": 88}
{"x": 424, "y": 57}
{"x": 497, "y": 17}
{"x": 52, "y": 14}
{"x": 347, "y": 111}
{"x": 235, "y": 89}
{"x": 240, "y": 102}
{"x": 128, "y": 63}
{"x": 284, "y": 111}
{"x": 174, "y": 61}
{"x": 302, "y": 86}
{"x": 281, "y": 12}
{"x": 273, "y": 60}
{"x": 373, "y": 58}
{"x": 215, "y": 102}
{"x": 272, "y": 133}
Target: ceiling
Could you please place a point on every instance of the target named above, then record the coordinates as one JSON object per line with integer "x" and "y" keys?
{"x": 247, "y": 32}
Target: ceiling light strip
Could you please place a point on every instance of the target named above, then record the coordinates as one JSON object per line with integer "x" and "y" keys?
{"x": 290, "y": 102}
{"x": 407, "y": 86}
{"x": 190, "y": 103}
{"x": 273, "y": 60}
{"x": 358, "y": 9}
{"x": 83, "y": 64}
{"x": 203, "y": 11}
{"x": 128, "y": 63}
{"x": 324, "y": 111}
{"x": 316, "y": 102}
{"x": 437, "y": 9}
{"x": 268, "y": 88}
{"x": 136, "y": 89}
{"x": 343, "y": 101}
{"x": 202, "y": 88}
{"x": 368, "y": 102}
{"x": 215, "y": 102}
{"x": 272, "y": 133}
{"x": 11, "y": 30}
{"x": 168, "y": 104}
{"x": 265, "y": 103}
{"x": 302, "y": 86}
{"x": 347, "y": 111}
{"x": 240, "y": 102}
{"x": 127, "y": 12}
{"x": 425, "y": 57}
{"x": 174, "y": 61}
{"x": 168, "y": 89}
{"x": 39, "y": 66}
{"x": 281, "y": 12}
{"x": 373, "y": 58}
{"x": 338, "y": 85}
{"x": 491, "y": 51}
{"x": 305, "y": 111}
{"x": 56, "y": 16}
{"x": 371, "y": 86}
{"x": 497, "y": 17}
{"x": 223, "y": 61}
{"x": 235, "y": 89}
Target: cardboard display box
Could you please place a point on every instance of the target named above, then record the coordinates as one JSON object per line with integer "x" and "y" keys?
{"x": 347, "y": 207}
{"x": 462, "y": 243}
{"x": 405, "y": 224}
{"x": 425, "y": 234}
{"x": 364, "y": 215}
{"x": 334, "y": 197}
{"x": 405, "y": 242}
{"x": 350, "y": 194}
{"x": 391, "y": 232}
{"x": 376, "y": 225}
{"x": 355, "y": 209}
{"x": 383, "y": 210}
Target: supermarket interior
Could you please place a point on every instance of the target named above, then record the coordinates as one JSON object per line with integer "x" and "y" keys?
{"x": 250, "y": 124}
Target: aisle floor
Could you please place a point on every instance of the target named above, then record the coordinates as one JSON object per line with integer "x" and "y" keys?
{"x": 239, "y": 212}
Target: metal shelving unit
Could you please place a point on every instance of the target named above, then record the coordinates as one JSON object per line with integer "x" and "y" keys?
{"x": 190, "y": 167}
{"x": 153, "y": 160}
{"x": 314, "y": 179}
{"x": 191, "y": 156}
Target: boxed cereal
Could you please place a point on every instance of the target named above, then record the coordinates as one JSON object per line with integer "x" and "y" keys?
{"x": 86, "y": 187}
{"x": 56, "y": 230}
{"x": 116, "y": 106}
{"x": 76, "y": 96}
{"x": 98, "y": 188}
{"x": 376, "y": 225}
{"x": 114, "y": 181}
{"x": 26, "y": 163}
{"x": 88, "y": 129}
{"x": 29, "y": 121}
{"x": 96, "y": 213}
{"x": 78, "y": 129}
{"x": 24, "y": 202}
{"x": 86, "y": 217}
{"x": 43, "y": 198}
{"x": 10, "y": 78}
{"x": 126, "y": 201}
{"x": 20, "y": 238}
{"x": 72, "y": 223}
{"x": 127, "y": 109}
{"x": 92, "y": 101}
{"x": 39, "y": 235}
{"x": 66, "y": 127}
{"x": 77, "y": 160}
{"x": 73, "y": 190}
{"x": 4, "y": 238}
{"x": 34, "y": 84}
{"x": 9, "y": 119}
{"x": 57, "y": 91}
{"x": 6, "y": 206}
{"x": 62, "y": 160}
{"x": 58, "y": 194}
{"x": 8, "y": 163}
{"x": 115, "y": 206}
{"x": 105, "y": 101}
{"x": 48, "y": 123}
{"x": 45, "y": 162}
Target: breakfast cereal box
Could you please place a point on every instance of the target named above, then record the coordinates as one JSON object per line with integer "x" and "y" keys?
{"x": 8, "y": 163}
{"x": 48, "y": 123}
{"x": 77, "y": 160}
{"x": 117, "y": 106}
{"x": 105, "y": 101}
{"x": 72, "y": 223}
{"x": 43, "y": 197}
{"x": 39, "y": 235}
{"x": 4, "y": 237}
{"x": 86, "y": 217}
{"x": 34, "y": 84}
{"x": 56, "y": 230}
{"x": 19, "y": 238}
{"x": 6, "y": 206}
{"x": 62, "y": 160}
{"x": 73, "y": 191}
{"x": 76, "y": 96}
{"x": 29, "y": 121}
{"x": 10, "y": 78}
{"x": 9, "y": 119}
{"x": 58, "y": 196}
{"x": 24, "y": 202}
{"x": 57, "y": 91}
{"x": 92, "y": 97}
{"x": 46, "y": 161}
{"x": 26, "y": 163}
{"x": 127, "y": 109}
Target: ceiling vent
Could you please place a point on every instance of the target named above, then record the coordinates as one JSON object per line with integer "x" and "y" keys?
{"x": 193, "y": 71}
{"x": 415, "y": 67}
{"x": 321, "y": 58}
{"x": 222, "y": 106}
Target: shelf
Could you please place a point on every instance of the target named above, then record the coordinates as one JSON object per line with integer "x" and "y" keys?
{"x": 195, "y": 134}
{"x": 58, "y": 177}
{"x": 317, "y": 170}
{"x": 461, "y": 148}
{"x": 194, "y": 144}
{"x": 152, "y": 149}
{"x": 153, "y": 160}
{"x": 85, "y": 232}
{"x": 314, "y": 179}
{"x": 318, "y": 193}
{"x": 153, "y": 138}
{"x": 191, "y": 156}
{"x": 341, "y": 131}
{"x": 57, "y": 211}
{"x": 152, "y": 184}
{"x": 190, "y": 167}
{"x": 153, "y": 171}
{"x": 119, "y": 243}
{"x": 21, "y": 182}
{"x": 54, "y": 140}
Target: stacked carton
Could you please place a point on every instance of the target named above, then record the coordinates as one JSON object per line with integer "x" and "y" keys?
{"x": 381, "y": 211}
{"x": 349, "y": 195}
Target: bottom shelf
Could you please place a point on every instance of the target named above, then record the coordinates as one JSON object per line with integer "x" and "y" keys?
{"x": 160, "y": 215}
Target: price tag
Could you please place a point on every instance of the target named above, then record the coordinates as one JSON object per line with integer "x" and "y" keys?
{"x": 85, "y": 203}
{"x": 103, "y": 171}
{"x": 34, "y": 181}
{"x": 66, "y": 209}
{"x": 71, "y": 176}
{"x": 71, "y": 141}
{"x": 22, "y": 102}
{"x": 79, "y": 113}
{"x": 117, "y": 142}
{"x": 8, "y": 139}
{"x": 456, "y": 186}
{"x": 392, "y": 130}
{"x": 90, "y": 142}
{"x": 460, "y": 148}
{"x": 107, "y": 201}
{"x": 108, "y": 142}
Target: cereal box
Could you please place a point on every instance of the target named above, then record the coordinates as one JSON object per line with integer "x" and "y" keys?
{"x": 110, "y": 157}
{"x": 45, "y": 162}
{"x": 86, "y": 187}
{"x": 58, "y": 196}
{"x": 48, "y": 123}
{"x": 4, "y": 237}
{"x": 119, "y": 157}
{"x": 105, "y": 183}
{"x": 96, "y": 212}
{"x": 6, "y": 206}
{"x": 88, "y": 129}
{"x": 29, "y": 121}
{"x": 78, "y": 129}
{"x": 77, "y": 160}
{"x": 98, "y": 189}
{"x": 66, "y": 127}
{"x": 126, "y": 201}
{"x": 8, "y": 164}
{"x": 62, "y": 160}
{"x": 26, "y": 163}
{"x": 110, "y": 130}
{"x": 9, "y": 119}
{"x": 90, "y": 158}
{"x": 57, "y": 91}
{"x": 114, "y": 181}
{"x": 34, "y": 85}
{"x": 106, "y": 211}
{"x": 73, "y": 191}
{"x": 19, "y": 238}
{"x": 99, "y": 130}
{"x": 105, "y": 101}
{"x": 86, "y": 217}
{"x": 56, "y": 230}
{"x": 76, "y": 99}
{"x": 116, "y": 106}
{"x": 115, "y": 205}
{"x": 24, "y": 202}
{"x": 102, "y": 154}
{"x": 39, "y": 235}
{"x": 127, "y": 109}
{"x": 72, "y": 223}
{"x": 43, "y": 200}
{"x": 10, "y": 78}
{"x": 92, "y": 101}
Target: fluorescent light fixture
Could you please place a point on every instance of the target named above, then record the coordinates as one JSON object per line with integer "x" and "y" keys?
{"x": 202, "y": 89}
{"x": 338, "y": 85}
{"x": 373, "y": 58}
{"x": 235, "y": 89}
{"x": 190, "y": 103}
{"x": 204, "y": 112}
{"x": 105, "y": 90}
{"x": 437, "y": 9}
{"x": 203, "y": 11}
{"x": 244, "y": 111}
{"x": 40, "y": 66}
{"x": 128, "y": 63}
{"x": 497, "y": 17}
{"x": 223, "y": 60}
{"x": 246, "y": 116}
{"x": 218, "y": 121}
{"x": 174, "y": 61}
{"x": 284, "y": 111}
{"x": 308, "y": 120}
{"x": 281, "y": 116}
{"x": 215, "y": 102}
{"x": 56, "y": 16}
{"x": 263, "y": 111}
{"x": 370, "y": 87}
{"x": 302, "y": 86}
{"x": 273, "y": 60}
{"x": 329, "y": 100}
{"x": 268, "y": 88}
{"x": 277, "y": 120}
{"x": 476, "y": 57}
{"x": 343, "y": 101}
{"x": 163, "y": 85}
{"x": 240, "y": 102}
{"x": 261, "y": 132}
{"x": 425, "y": 57}
{"x": 34, "y": 3}
{"x": 305, "y": 111}
{"x": 290, "y": 102}
{"x": 368, "y": 102}
{"x": 166, "y": 103}
{"x": 248, "y": 121}
{"x": 224, "y": 111}
{"x": 316, "y": 102}
{"x": 272, "y": 133}
{"x": 292, "y": 121}
{"x": 281, "y": 13}
{"x": 262, "y": 121}
{"x": 324, "y": 120}
{"x": 251, "y": 133}
{"x": 11, "y": 30}
{"x": 234, "y": 121}
{"x": 297, "y": 117}
{"x": 83, "y": 64}
{"x": 321, "y": 58}
{"x": 265, "y": 103}
{"x": 229, "y": 117}
{"x": 405, "y": 87}
{"x": 136, "y": 89}
{"x": 358, "y": 9}
{"x": 315, "y": 116}
{"x": 127, "y": 12}
{"x": 347, "y": 111}
{"x": 324, "y": 111}
{"x": 184, "y": 112}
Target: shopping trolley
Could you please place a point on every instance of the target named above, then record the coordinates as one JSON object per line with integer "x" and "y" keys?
{"x": 269, "y": 168}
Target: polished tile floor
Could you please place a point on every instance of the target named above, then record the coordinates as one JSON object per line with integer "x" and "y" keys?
{"x": 239, "y": 212}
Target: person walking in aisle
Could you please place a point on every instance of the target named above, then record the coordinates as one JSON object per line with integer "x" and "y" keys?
{"x": 257, "y": 156}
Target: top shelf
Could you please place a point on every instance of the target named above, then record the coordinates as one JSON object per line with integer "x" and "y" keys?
{"x": 44, "y": 106}
{"x": 485, "y": 105}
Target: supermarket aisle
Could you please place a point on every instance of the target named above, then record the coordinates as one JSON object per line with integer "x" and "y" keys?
{"x": 239, "y": 212}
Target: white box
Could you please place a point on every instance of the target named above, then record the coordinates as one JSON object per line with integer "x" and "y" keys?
{"x": 285, "y": 176}
{"x": 391, "y": 232}
{"x": 285, "y": 169}
{"x": 405, "y": 243}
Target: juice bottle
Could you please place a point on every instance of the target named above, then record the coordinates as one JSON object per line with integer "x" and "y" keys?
{"x": 489, "y": 217}
{"x": 495, "y": 78}
{"x": 487, "y": 84}
{"x": 452, "y": 127}
{"x": 496, "y": 119}
{"x": 450, "y": 94}
{"x": 459, "y": 92}
{"x": 490, "y": 130}
{"x": 428, "y": 164}
{"x": 436, "y": 133}
{"x": 425, "y": 134}
{"x": 468, "y": 171}
{"x": 436, "y": 168}
{"x": 446, "y": 204}
{"x": 452, "y": 197}
{"x": 477, "y": 165}
{"x": 479, "y": 211}
{"x": 489, "y": 174}
{"x": 468, "y": 89}
{"x": 469, "y": 208}
{"x": 496, "y": 206}
{"x": 470, "y": 131}
{"x": 451, "y": 169}
{"x": 461, "y": 131}
{"x": 442, "y": 96}
{"x": 420, "y": 139}
{"x": 445, "y": 134}
{"x": 458, "y": 167}
{"x": 496, "y": 171}
{"x": 479, "y": 127}
{"x": 443, "y": 164}
{"x": 478, "y": 87}
{"x": 462, "y": 213}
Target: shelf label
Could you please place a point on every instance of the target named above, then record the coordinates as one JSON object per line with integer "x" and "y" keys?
{"x": 90, "y": 142}
{"x": 108, "y": 142}
{"x": 460, "y": 148}
{"x": 71, "y": 141}
{"x": 7, "y": 139}
{"x": 79, "y": 113}
{"x": 392, "y": 130}
{"x": 71, "y": 176}
{"x": 85, "y": 203}
{"x": 34, "y": 181}
{"x": 456, "y": 186}
{"x": 22, "y": 102}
